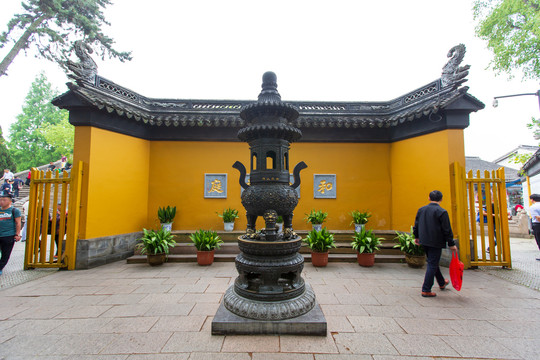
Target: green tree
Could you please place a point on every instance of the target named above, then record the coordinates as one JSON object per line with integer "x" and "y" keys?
{"x": 61, "y": 137}
{"x": 6, "y": 162}
{"x": 512, "y": 30}
{"x": 27, "y": 142}
{"x": 52, "y": 26}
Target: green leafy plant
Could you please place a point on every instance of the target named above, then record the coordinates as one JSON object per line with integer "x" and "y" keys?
{"x": 320, "y": 240}
{"x": 229, "y": 215}
{"x": 405, "y": 242}
{"x": 365, "y": 241}
{"x": 156, "y": 242}
{"x": 316, "y": 217}
{"x": 166, "y": 215}
{"x": 279, "y": 220}
{"x": 360, "y": 217}
{"x": 206, "y": 240}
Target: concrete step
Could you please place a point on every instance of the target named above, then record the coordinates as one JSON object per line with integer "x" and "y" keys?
{"x": 182, "y": 236}
{"x": 349, "y": 258}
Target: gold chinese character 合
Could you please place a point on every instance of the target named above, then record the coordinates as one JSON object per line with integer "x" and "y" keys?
{"x": 324, "y": 186}
{"x": 216, "y": 186}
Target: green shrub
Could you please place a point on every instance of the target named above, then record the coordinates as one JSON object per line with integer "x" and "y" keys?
{"x": 320, "y": 240}
{"x": 405, "y": 242}
{"x": 365, "y": 241}
{"x": 206, "y": 240}
{"x": 316, "y": 217}
{"x": 156, "y": 242}
{"x": 229, "y": 215}
{"x": 360, "y": 217}
{"x": 166, "y": 215}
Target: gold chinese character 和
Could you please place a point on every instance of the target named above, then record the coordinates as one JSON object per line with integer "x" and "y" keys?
{"x": 324, "y": 186}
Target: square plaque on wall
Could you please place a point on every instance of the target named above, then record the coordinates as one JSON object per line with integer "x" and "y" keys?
{"x": 324, "y": 186}
{"x": 215, "y": 186}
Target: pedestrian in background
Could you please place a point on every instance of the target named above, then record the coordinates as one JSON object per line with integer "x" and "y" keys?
{"x": 432, "y": 230}
{"x": 25, "y": 219}
{"x": 535, "y": 217}
{"x": 10, "y": 228}
{"x": 8, "y": 175}
{"x": 17, "y": 185}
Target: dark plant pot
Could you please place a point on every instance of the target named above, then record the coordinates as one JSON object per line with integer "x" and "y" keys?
{"x": 156, "y": 259}
{"x": 415, "y": 261}
{"x": 366, "y": 259}
{"x": 319, "y": 259}
{"x": 205, "y": 258}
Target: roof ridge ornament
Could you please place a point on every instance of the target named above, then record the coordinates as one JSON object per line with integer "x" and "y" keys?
{"x": 86, "y": 69}
{"x": 452, "y": 73}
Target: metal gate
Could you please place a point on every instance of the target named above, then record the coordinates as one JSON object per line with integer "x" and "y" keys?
{"x": 53, "y": 218}
{"x": 480, "y": 217}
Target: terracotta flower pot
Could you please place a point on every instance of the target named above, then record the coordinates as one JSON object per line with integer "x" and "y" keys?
{"x": 415, "y": 261}
{"x": 205, "y": 257}
{"x": 319, "y": 259}
{"x": 155, "y": 259}
{"x": 366, "y": 259}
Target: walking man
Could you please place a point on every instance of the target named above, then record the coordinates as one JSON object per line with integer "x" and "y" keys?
{"x": 10, "y": 228}
{"x": 432, "y": 230}
{"x": 535, "y": 216}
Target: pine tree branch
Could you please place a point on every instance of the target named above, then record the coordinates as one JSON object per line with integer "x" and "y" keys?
{"x": 20, "y": 44}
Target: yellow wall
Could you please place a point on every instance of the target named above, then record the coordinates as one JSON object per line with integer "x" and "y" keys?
{"x": 418, "y": 166}
{"x": 115, "y": 184}
{"x": 177, "y": 178}
{"x": 130, "y": 178}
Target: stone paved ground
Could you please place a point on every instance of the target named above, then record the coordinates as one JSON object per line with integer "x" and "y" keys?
{"x": 121, "y": 311}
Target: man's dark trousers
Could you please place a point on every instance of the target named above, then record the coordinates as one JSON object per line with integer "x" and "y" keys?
{"x": 433, "y": 271}
{"x": 536, "y": 232}
{"x": 6, "y": 246}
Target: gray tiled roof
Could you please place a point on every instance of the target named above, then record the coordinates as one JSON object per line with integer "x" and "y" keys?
{"x": 425, "y": 101}
{"x": 474, "y": 163}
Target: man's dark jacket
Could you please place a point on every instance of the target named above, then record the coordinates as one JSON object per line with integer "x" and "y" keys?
{"x": 432, "y": 226}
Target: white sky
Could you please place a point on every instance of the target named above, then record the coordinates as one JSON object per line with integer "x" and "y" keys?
{"x": 320, "y": 50}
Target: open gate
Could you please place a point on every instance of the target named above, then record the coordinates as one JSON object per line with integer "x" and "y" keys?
{"x": 53, "y": 218}
{"x": 480, "y": 217}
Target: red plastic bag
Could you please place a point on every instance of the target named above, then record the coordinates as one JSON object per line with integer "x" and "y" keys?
{"x": 456, "y": 271}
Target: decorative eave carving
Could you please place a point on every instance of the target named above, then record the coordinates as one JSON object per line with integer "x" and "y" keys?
{"x": 426, "y": 101}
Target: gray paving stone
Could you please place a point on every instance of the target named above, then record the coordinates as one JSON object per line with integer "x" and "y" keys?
{"x": 422, "y": 345}
{"x": 364, "y": 343}
{"x": 527, "y": 348}
{"x": 136, "y": 343}
{"x": 374, "y": 324}
{"x": 473, "y": 346}
{"x": 421, "y": 326}
{"x": 223, "y": 356}
{"x": 307, "y": 344}
{"x": 193, "y": 342}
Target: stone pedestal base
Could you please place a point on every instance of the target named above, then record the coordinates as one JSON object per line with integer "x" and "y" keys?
{"x": 228, "y": 323}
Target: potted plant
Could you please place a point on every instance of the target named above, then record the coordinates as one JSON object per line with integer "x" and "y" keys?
{"x": 229, "y": 216}
{"x": 365, "y": 243}
{"x": 156, "y": 245}
{"x": 279, "y": 223}
{"x": 206, "y": 241}
{"x": 320, "y": 242}
{"x": 316, "y": 218}
{"x": 166, "y": 217}
{"x": 359, "y": 219}
{"x": 415, "y": 256}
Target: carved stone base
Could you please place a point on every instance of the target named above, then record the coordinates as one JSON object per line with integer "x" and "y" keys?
{"x": 269, "y": 310}
{"x": 311, "y": 323}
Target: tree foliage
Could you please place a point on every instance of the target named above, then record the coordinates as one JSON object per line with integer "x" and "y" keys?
{"x": 512, "y": 30}
{"x": 28, "y": 142}
{"x": 6, "y": 161}
{"x": 60, "y": 137}
{"x": 52, "y": 26}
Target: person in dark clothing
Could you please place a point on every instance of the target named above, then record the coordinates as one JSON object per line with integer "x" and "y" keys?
{"x": 10, "y": 228}
{"x": 17, "y": 185}
{"x": 432, "y": 230}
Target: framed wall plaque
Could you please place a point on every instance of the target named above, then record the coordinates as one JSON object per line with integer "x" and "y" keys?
{"x": 324, "y": 186}
{"x": 215, "y": 186}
